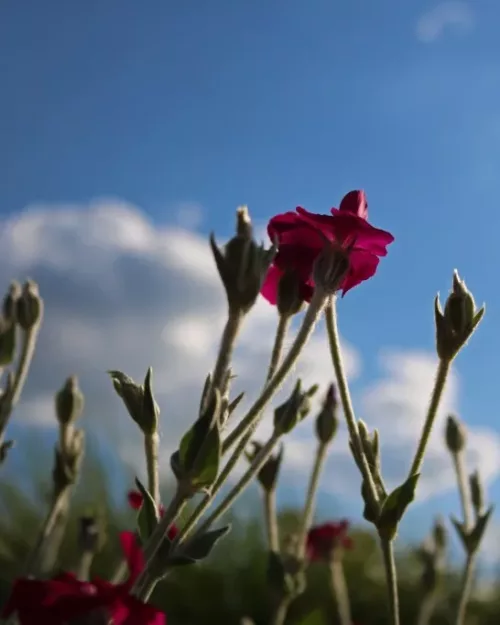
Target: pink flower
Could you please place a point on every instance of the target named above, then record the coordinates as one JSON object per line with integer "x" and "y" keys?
{"x": 301, "y": 236}
{"x": 323, "y": 540}
{"x": 64, "y": 598}
{"x": 135, "y": 500}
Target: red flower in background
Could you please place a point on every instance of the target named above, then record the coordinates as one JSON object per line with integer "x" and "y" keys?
{"x": 301, "y": 236}
{"x": 323, "y": 540}
{"x": 64, "y": 598}
{"x": 135, "y": 500}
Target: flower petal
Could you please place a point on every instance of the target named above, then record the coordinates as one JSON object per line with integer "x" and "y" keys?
{"x": 355, "y": 202}
{"x": 362, "y": 265}
{"x": 269, "y": 288}
{"x": 133, "y": 555}
{"x": 134, "y": 499}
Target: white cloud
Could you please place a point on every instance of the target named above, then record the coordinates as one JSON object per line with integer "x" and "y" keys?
{"x": 123, "y": 294}
{"x": 453, "y": 15}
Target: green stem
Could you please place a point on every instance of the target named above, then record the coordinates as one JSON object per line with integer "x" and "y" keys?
{"x": 463, "y": 488}
{"x": 392, "y": 579}
{"x": 427, "y": 608}
{"x": 58, "y": 505}
{"x": 228, "y": 340}
{"x": 27, "y": 351}
{"x": 308, "y": 512}
{"x": 437, "y": 392}
{"x": 257, "y": 463}
{"x": 279, "y": 341}
{"x": 84, "y": 565}
{"x": 340, "y": 592}
{"x": 279, "y": 616}
{"x": 306, "y": 329}
{"x": 271, "y": 520}
{"x": 338, "y": 365}
{"x": 244, "y": 431}
{"x": 151, "y": 443}
{"x": 466, "y": 589}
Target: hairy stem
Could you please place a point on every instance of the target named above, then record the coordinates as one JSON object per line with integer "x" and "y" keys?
{"x": 308, "y": 512}
{"x": 340, "y": 592}
{"x": 345, "y": 396}
{"x": 228, "y": 340}
{"x": 392, "y": 579}
{"x": 279, "y": 341}
{"x": 466, "y": 589}
{"x": 463, "y": 488}
{"x": 271, "y": 520}
{"x": 437, "y": 392}
{"x": 151, "y": 443}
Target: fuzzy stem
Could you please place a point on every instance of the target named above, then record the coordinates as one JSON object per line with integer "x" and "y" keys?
{"x": 340, "y": 592}
{"x": 228, "y": 340}
{"x": 271, "y": 520}
{"x": 437, "y": 392}
{"x": 151, "y": 443}
{"x": 463, "y": 488}
{"x": 338, "y": 365}
{"x": 466, "y": 589}
{"x": 308, "y": 512}
{"x": 279, "y": 341}
{"x": 392, "y": 579}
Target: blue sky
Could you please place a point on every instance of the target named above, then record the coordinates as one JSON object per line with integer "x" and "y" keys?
{"x": 277, "y": 104}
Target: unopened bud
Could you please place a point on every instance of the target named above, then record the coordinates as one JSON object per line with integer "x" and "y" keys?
{"x": 69, "y": 402}
{"x": 290, "y": 300}
{"x": 268, "y": 474}
{"x": 331, "y": 267}
{"x": 289, "y": 414}
{"x": 29, "y": 306}
{"x": 477, "y": 493}
{"x": 10, "y": 301}
{"x": 327, "y": 420}
{"x": 457, "y": 323}
{"x": 242, "y": 265}
{"x": 455, "y": 435}
{"x": 138, "y": 400}
{"x": 67, "y": 462}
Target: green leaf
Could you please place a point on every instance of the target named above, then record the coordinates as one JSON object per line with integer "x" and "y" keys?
{"x": 147, "y": 517}
{"x": 277, "y": 577}
{"x": 472, "y": 539}
{"x": 150, "y": 409}
{"x": 200, "y": 547}
{"x": 395, "y": 506}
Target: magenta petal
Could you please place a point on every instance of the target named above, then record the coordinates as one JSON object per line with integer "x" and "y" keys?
{"x": 355, "y": 202}
{"x": 134, "y": 499}
{"x": 269, "y": 289}
{"x": 133, "y": 555}
{"x": 282, "y": 223}
{"x": 363, "y": 265}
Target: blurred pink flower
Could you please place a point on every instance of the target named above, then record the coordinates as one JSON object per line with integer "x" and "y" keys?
{"x": 301, "y": 236}
{"x": 135, "y": 500}
{"x": 323, "y": 540}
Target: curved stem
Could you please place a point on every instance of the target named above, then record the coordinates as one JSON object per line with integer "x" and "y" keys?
{"x": 340, "y": 592}
{"x": 271, "y": 520}
{"x": 427, "y": 608}
{"x": 151, "y": 443}
{"x": 308, "y": 512}
{"x": 392, "y": 580}
{"x": 466, "y": 589}
{"x": 437, "y": 392}
{"x": 338, "y": 365}
{"x": 279, "y": 616}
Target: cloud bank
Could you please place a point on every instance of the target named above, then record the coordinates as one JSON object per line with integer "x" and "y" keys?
{"x": 123, "y": 293}
{"x": 452, "y": 15}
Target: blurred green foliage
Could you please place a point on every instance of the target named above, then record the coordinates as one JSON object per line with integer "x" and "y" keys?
{"x": 231, "y": 584}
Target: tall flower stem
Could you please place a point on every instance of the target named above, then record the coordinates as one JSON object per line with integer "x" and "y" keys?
{"x": 281, "y": 610}
{"x": 279, "y": 341}
{"x": 463, "y": 487}
{"x": 308, "y": 512}
{"x": 244, "y": 430}
{"x": 466, "y": 588}
{"x": 271, "y": 520}
{"x": 392, "y": 578}
{"x": 339, "y": 591}
{"x": 151, "y": 443}
{"x": 338, "y": 365}
{"x": 231, "y": 329}
{"x": 437, "y": 393}
{"x": 30, "y": 338}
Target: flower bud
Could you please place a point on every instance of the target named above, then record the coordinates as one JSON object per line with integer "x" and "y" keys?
{"x": 455, "y": 435}
{"x": 69, "y": 402}
{"x": 296, "y": 407}
{"x": 29, "y": 306}
{"x": 268, "y": 474}
{"x": 10, "y": 301}
{"x": 289, "y": 300}
{"x": 327, "y": 420}
{"x": 457, "y": 323}
{"x": 477, "y": 493}
{"x": 331, "y": 267}
{"x": 242, "y": 265}
{"x": 138, "y": 400}
{"x": 67, "y": 462}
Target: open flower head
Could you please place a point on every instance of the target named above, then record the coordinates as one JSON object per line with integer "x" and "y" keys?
{"x": 302, "y": 236}
{"x": 63, "y": 599}
{"x": 323, "y": 541}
